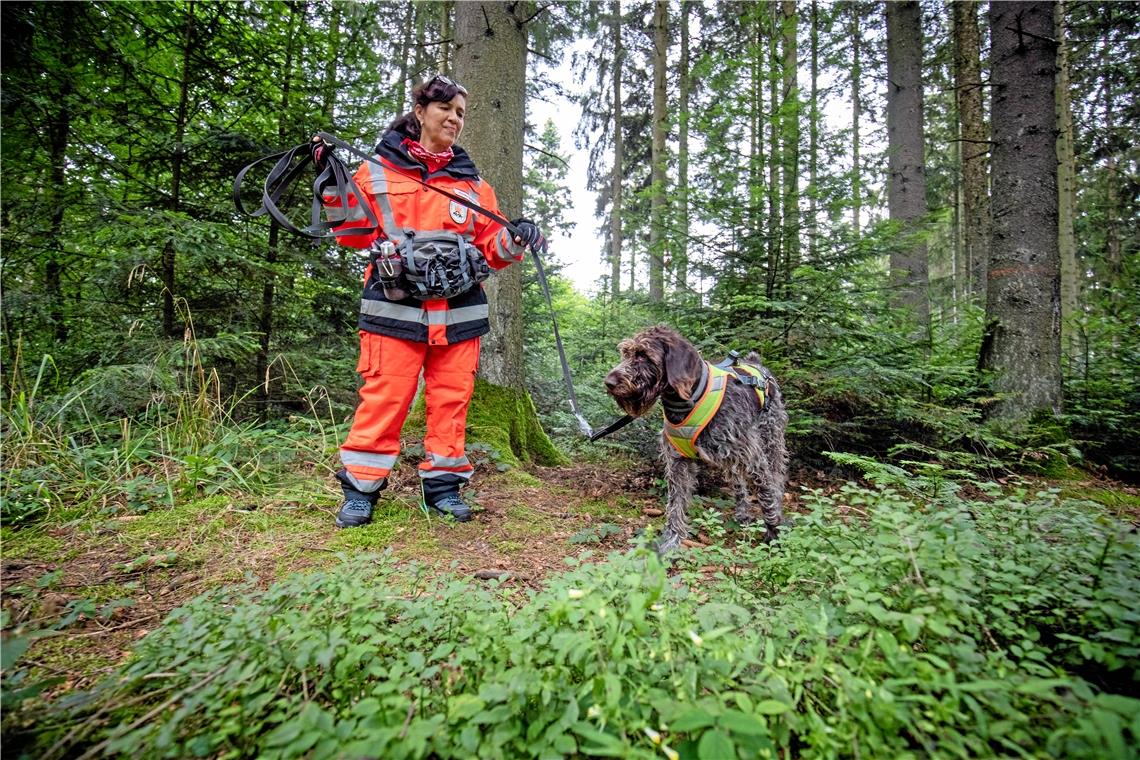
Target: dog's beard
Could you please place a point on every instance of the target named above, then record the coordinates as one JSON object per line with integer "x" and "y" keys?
{"x": 630, "y": 401}
{"x": 634, "y": 409}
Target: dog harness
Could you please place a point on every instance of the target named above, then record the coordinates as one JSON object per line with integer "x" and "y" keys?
{"x": 683, "y": 436}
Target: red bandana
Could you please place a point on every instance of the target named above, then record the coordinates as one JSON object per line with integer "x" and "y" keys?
{"x": 433, "y": 161}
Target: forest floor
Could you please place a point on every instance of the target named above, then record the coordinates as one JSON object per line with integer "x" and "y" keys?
{"x": 113, "y": 579}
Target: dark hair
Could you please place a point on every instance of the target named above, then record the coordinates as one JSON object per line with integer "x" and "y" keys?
{"x": 437, "y": 89}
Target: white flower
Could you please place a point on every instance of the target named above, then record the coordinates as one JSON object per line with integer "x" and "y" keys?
{"x": 670, "y": 753}
{"x": 696, "y": 637}
{"x": 575, "y": 593}
{"x": 602, "y": 612}
{"x": 594, "y": 712}
{"x": 653, "y": 735}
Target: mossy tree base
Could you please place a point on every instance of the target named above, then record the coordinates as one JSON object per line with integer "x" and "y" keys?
{"x": 505, "y": 420}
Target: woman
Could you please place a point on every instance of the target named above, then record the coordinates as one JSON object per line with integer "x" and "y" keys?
{"x": 405, "y": 325}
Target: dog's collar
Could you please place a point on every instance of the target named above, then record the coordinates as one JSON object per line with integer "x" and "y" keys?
{"x": 677, "y": 408}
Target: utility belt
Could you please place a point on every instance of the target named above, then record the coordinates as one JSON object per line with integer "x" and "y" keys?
{"x": 428, "y": 265}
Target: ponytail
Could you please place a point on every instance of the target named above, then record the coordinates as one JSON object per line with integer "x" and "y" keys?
{"x": 407, "y": 125}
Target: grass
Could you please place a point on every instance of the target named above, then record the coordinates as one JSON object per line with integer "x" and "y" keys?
{"x": 34, "y": 543}
{"x": 620, "y": 506}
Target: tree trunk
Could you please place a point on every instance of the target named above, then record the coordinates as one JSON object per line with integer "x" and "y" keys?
{"x": 756, "y": 191}
{"x": 175, "y": 201}
{"x": 1112, "y": 215}
{"x": 445, "y": 34}
{"x": 265, "y": 320}
{"x": 59, "y": 132}
{"x": 773, "y": 228}
{"x": 1023, "y": 309}
{"x": 490, "y": 59}
{"x": 1066, "y": 195}
{"x": 974, "y": 147}
{"x": 616, "y": 174}
{"x": 328, "y": 105}
{"x": 790, "y": 149}
{"x": 681, "y": 257}
{"x": 813, "y": 141}
{"x": 906, "y": 193}
{"x": 657, "y": 237}
{"x": 856, "y": 115}
{"x": 411, "y": 11}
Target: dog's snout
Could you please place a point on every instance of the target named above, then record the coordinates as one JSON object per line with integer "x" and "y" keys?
{"x": 611, "y": 381}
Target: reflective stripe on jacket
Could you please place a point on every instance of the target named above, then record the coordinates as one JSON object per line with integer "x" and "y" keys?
{"x": 401, "y": 203}
{"x": 683, "y": 436}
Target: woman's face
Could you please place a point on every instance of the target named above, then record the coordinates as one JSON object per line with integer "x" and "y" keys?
{"x": 441, "y": 123}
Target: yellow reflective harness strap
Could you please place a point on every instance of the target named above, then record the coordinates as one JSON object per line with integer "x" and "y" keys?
{"x": 761, "y": 380}
{"x": 683, "y": 435}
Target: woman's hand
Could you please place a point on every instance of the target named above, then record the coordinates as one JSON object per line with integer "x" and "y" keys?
{"x": 529, "y": 235}
{"x": 320, "y": 151}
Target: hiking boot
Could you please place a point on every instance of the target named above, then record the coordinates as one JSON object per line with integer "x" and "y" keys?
{"x": 451, "y": 504}
{"x": 356, "y": 511}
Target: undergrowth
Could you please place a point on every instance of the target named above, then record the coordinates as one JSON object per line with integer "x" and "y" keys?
{"x": 879, "y": 626}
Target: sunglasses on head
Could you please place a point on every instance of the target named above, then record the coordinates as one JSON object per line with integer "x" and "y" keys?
{"x": 449, "y": 81}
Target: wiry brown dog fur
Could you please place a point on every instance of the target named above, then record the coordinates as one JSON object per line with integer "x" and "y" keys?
{"x": 743, "y": 440}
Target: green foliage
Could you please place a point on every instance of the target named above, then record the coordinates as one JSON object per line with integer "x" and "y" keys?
{"x": 93, "y": 448}
{"x": 1004, "y": 625}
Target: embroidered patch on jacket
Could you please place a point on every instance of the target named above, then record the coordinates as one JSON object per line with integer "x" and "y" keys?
{"x": 458, "y": 210}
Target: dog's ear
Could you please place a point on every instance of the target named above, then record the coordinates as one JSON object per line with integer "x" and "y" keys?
{"x": 682, "y": 368}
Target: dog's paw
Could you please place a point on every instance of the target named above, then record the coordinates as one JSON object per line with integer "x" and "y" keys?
{"x": 744, "y": 516}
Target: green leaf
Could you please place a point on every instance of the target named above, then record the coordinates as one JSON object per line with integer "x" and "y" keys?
{"x": 772, "y": 707}
{"x": 741, "y": 723}
{"x": 715, "y": 745}
{"x": 464, "y": 706}
{"x": 692, "y": 720}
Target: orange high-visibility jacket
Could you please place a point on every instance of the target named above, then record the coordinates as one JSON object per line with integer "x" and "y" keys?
{"x": 401, "y": 203}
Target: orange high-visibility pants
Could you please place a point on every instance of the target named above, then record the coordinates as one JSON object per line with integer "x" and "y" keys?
{"x": 391, "y": 368}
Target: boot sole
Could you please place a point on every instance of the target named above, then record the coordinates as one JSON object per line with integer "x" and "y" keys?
{"x": 443, "y": 513}
{"x": 340, "y": 524}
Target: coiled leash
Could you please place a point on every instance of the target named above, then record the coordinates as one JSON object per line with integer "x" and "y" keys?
{"x": 284, "y": 173}
{"x": 336, "y": 175}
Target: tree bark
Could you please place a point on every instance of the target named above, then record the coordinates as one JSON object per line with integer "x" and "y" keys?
{"x": 1023, "y": 310}
{"x": 175, "y": 201}
{"x": 619, "y": 157}
{"x": 268, "y": 288}
{"x": 906, "y": 192}
{"x": 59, "y": 133}
{"x": 681, "y": 258}
{"x": 856, "y": 115}
{"x": 657, "y": 237}
{"x": 790, "y": 148}
{"x": 1066, "y": 195}
{"x": 813, "y": 141}
{"x": 974, "y": 146}
{"x": 775, "y": 160}
{"x": 490, "y": 59}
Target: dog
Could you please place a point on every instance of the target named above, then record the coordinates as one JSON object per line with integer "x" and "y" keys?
{"x": 743, "y": 439}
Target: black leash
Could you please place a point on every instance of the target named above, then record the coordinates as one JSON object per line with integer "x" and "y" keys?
{"x": 284, "y": 173}
{"x": 336, "y": 174}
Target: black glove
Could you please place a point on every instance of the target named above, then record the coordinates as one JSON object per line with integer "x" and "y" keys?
{"x": 529, "y": 235}
{"x": 320, "y": 151}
